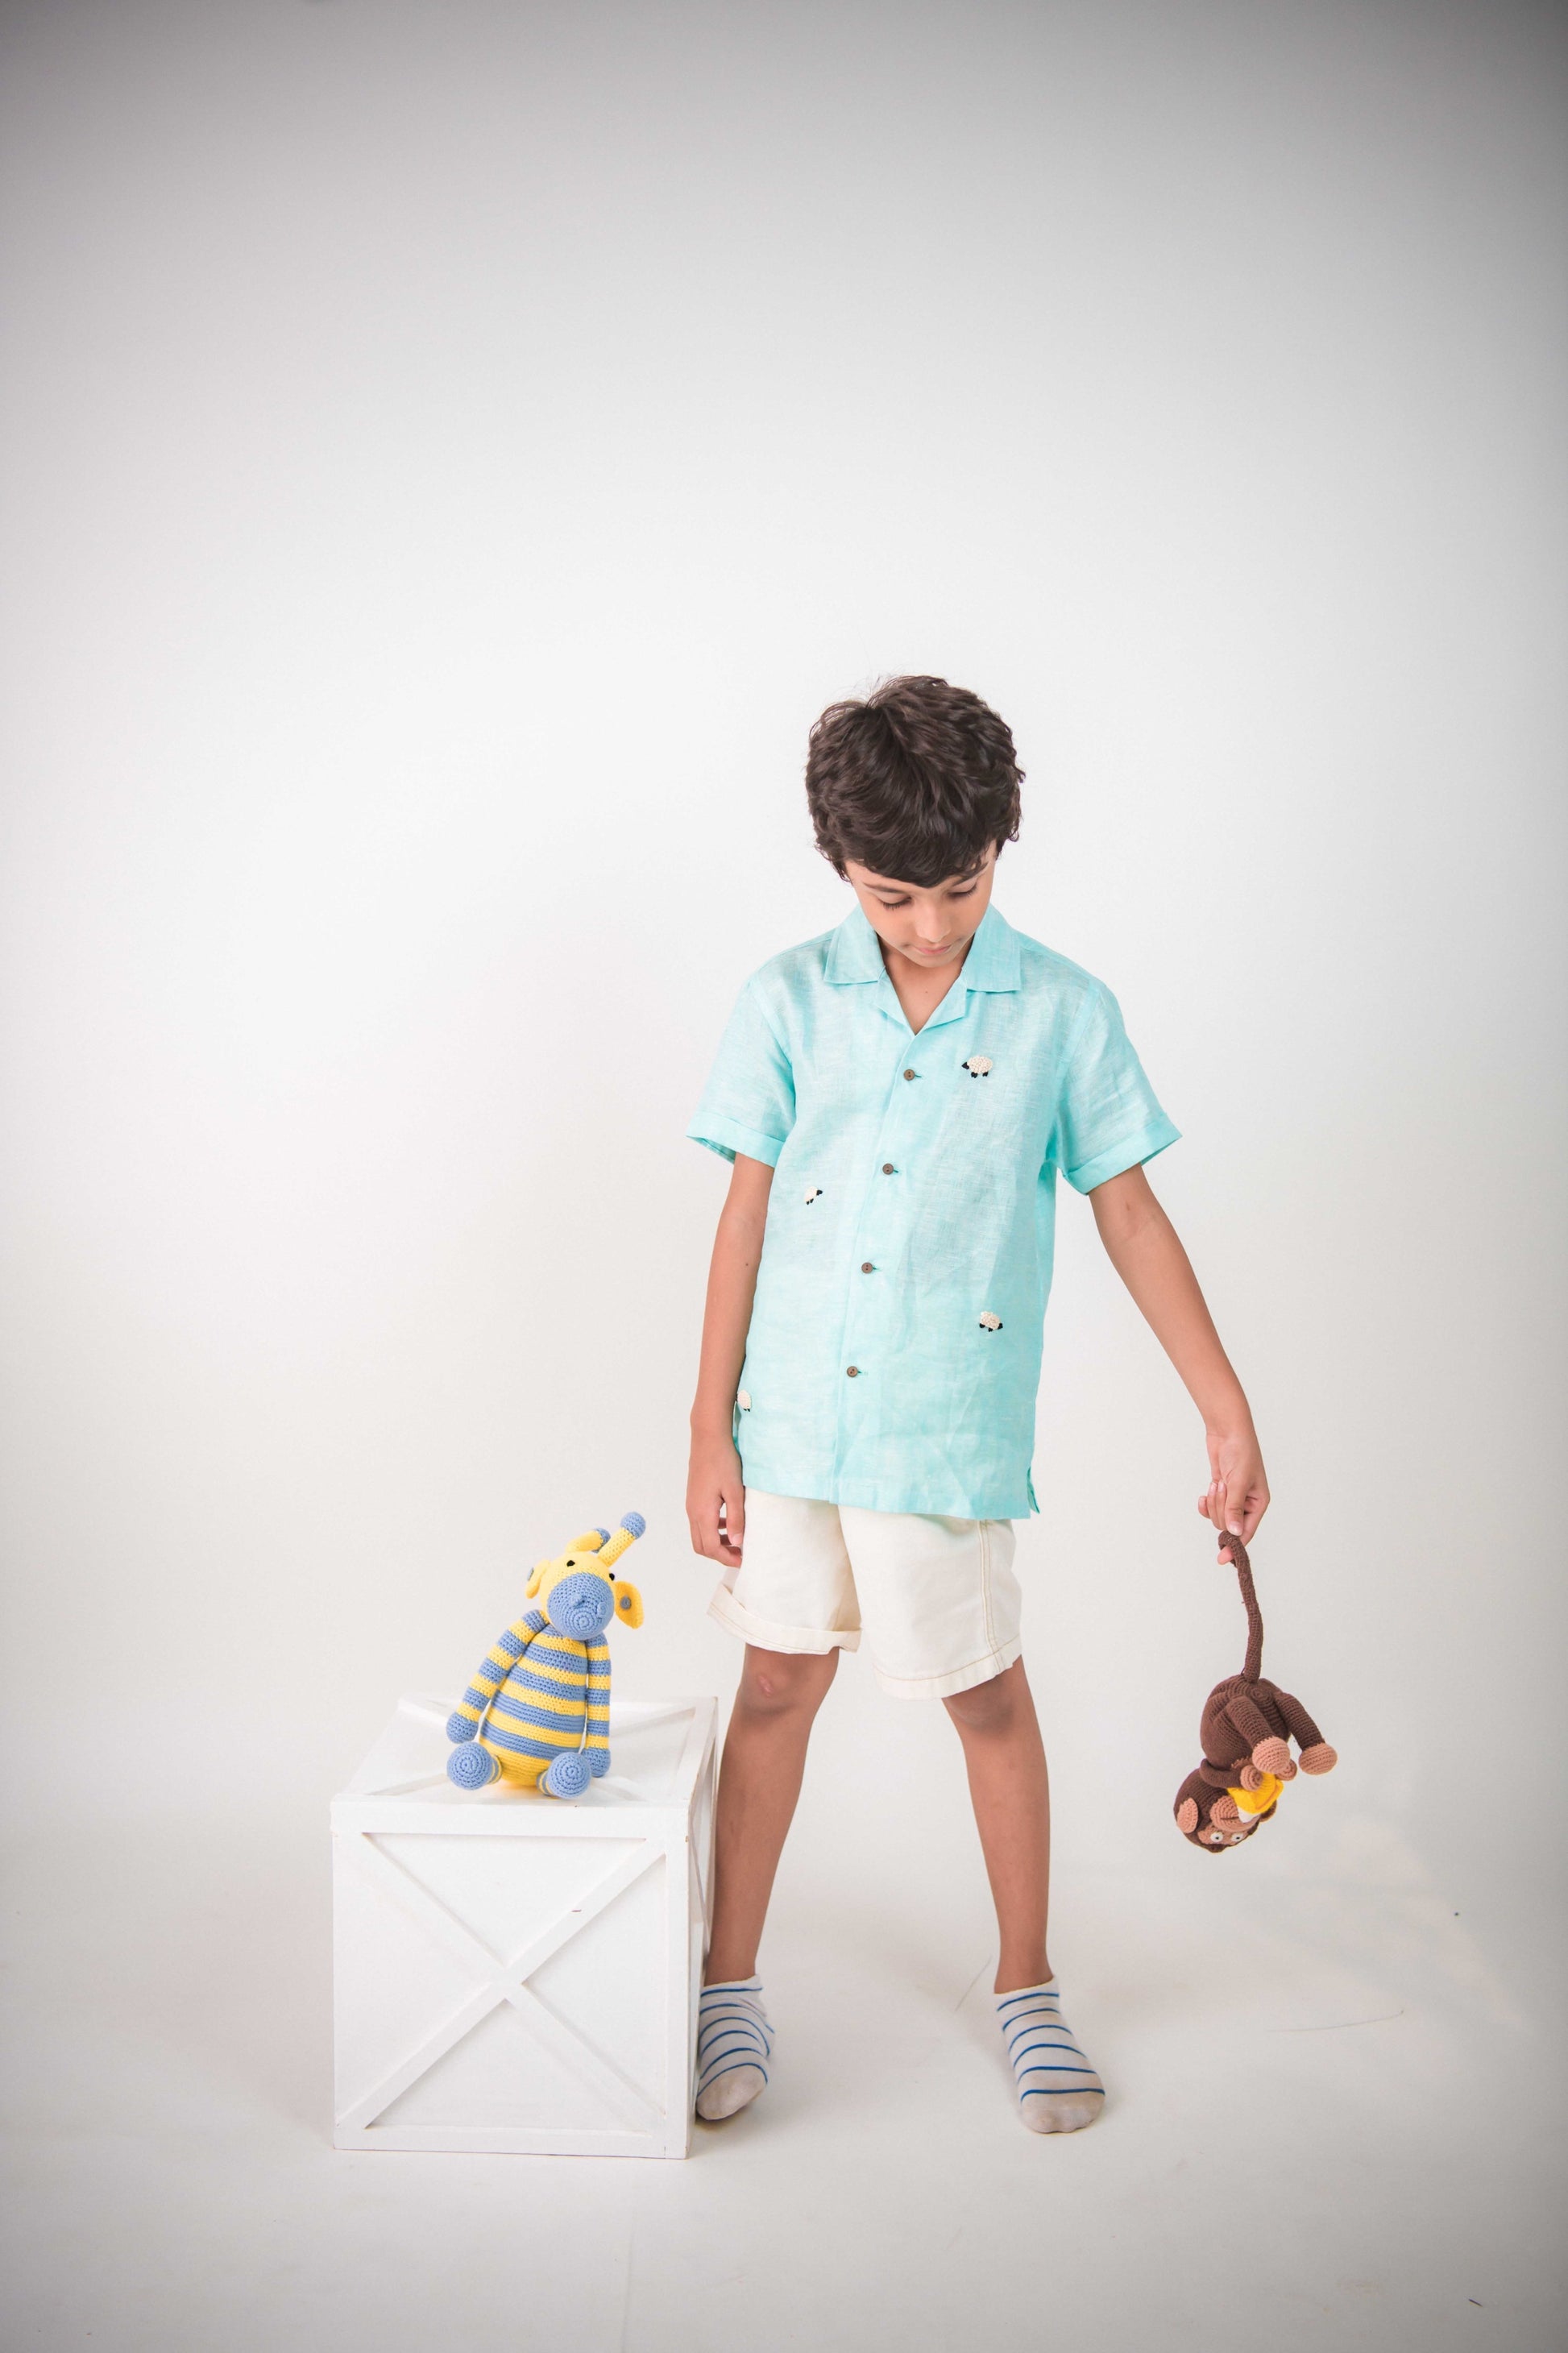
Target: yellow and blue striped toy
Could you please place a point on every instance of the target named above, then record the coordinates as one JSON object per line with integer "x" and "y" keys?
{"x": 537, "y": 1713}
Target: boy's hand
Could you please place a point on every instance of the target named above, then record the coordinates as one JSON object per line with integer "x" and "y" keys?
{"x": 716, "y": 1501}
{"x": 1238, "y": 1494}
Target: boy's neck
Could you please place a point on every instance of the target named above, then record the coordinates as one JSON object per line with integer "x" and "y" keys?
{"x": 919, "y": 988}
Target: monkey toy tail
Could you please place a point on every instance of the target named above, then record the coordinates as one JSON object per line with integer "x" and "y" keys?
{"x": 1247, "y": 1729}
{"x": 1232, "y": 1548}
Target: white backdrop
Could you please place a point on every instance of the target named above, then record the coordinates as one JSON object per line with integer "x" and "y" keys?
{"x": 452, "y": 453}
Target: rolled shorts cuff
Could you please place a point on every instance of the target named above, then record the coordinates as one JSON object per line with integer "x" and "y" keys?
{"x": 737, "y": 1618}
{"x": 962, "y": 1679}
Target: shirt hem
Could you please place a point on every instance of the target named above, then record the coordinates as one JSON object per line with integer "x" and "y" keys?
{"x": 888, "y": 1495}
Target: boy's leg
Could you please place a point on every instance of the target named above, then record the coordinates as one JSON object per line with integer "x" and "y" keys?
{"x": 1058, "y": 2091}
{"x": 1010, "y": 1792}
{"x": 759, "y": 1782}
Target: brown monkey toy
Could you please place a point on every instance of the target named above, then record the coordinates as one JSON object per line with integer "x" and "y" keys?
{"x": 1247, "y": 1729}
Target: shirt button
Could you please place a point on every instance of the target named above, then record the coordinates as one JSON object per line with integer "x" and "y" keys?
{"x": 908, "y": 1074}
{"x": 887, "y": 1168}
{"x": 852, "y": 1371}
{"x": 866, "y": 1266}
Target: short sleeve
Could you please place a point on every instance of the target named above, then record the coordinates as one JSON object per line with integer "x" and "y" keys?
{"x": 1108, "y": 1117}
{"x": 748, "y": 1104}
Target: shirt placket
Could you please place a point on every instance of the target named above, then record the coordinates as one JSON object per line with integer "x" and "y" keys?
{"x": 866, "y": 1367}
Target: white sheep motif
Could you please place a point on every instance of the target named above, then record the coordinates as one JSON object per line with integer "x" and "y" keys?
{"x": 990, "y": 1322}
{"x": 979, "y": 1066}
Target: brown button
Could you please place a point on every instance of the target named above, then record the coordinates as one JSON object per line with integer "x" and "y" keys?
{"x": 887, "y": 1168}
{"x": 853, "y": 1371}
{"x": 908, "y": 1074}
{"x": 866, "y": 1266}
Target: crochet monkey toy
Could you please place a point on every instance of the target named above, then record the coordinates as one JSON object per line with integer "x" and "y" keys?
{"x": 537, "y": 1713}
{"x": 1248, "y": 1725}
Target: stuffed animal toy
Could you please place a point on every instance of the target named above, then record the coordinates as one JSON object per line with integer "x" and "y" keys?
{"x": 1247, "y": 1729}
{"x": 537, "y": 1713}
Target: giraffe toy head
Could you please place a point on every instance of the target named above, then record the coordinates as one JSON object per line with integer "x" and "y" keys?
{"x": 578, "y": 1594}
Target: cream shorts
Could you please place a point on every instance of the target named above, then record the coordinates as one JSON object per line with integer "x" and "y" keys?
{"x": 936, "y": 1598}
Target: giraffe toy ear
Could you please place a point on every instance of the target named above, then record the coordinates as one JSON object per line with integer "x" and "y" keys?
{"x": 628, "y": 1602}
{"x": 534, "y": 1574}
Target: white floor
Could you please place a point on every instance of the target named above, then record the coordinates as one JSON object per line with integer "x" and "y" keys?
{"x": 1332, "y": 2121}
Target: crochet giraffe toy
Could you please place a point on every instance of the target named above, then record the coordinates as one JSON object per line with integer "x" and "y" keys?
{"x": 537, "y": 1713}
{"x": 1247, "y": 1726}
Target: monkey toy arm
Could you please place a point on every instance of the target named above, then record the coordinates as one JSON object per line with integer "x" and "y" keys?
{"x": 1317, "y": 1756}
{"x": 469, "y": 1716}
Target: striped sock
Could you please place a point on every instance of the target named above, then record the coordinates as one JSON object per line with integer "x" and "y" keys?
{"x": 1058, "y": 2091}
{"x": 734, "y": 2041}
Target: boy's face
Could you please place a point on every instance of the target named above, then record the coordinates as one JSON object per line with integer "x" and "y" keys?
{"x": 933, "y": 928}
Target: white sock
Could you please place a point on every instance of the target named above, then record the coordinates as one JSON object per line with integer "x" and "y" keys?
{"x": 734, "y": 2042}
{"x": 1058, "y": 2091}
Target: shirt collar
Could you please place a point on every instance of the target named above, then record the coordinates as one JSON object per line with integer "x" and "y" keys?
{"x": 855, "y": 952}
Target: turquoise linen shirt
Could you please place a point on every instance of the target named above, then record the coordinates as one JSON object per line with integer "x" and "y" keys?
{"x": 893, "y": 1356}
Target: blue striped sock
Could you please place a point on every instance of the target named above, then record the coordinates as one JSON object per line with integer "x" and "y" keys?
{"x": 1058, "y": 2091}
{"x": 734, "y": 2042}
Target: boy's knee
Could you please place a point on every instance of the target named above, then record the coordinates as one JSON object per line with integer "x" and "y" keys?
{"x": 777, "y": 1683}
{"x": 987, "y": 1706}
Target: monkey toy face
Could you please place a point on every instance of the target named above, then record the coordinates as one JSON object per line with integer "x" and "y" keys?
{"x": 1212, "y": 1818}
{"x": 1228, "y": 1830}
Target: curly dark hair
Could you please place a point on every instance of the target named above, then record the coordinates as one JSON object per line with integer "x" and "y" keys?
{"x": 917, "y": 781}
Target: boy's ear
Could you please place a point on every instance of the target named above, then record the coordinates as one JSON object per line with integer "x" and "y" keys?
{"x": 628, "y": 1602}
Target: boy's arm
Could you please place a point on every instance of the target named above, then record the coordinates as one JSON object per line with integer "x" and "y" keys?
{"x": 1144, "y": 1247}
{"x": 715, "y": 1492}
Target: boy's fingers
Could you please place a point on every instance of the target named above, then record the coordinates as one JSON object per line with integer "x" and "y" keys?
{"x": 706, "y": 1540}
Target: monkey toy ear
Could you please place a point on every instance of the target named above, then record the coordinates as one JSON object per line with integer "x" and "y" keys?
{"x": 1192, "y": 1805}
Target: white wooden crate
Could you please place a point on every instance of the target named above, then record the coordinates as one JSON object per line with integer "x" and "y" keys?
{"x": 518, "y": 1973}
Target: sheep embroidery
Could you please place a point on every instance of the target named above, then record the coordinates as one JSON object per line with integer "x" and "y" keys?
{"x": 813, "y": 1193}
{"x": 990, "y": 1322}
{"x": 979, "y": 1066}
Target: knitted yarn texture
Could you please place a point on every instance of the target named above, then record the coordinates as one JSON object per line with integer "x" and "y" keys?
{"x": 1246, "y": 1728}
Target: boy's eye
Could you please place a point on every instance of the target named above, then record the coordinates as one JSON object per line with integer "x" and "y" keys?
{"x": 967, "y": 892}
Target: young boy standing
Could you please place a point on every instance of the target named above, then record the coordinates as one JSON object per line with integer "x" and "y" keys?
{"x": 898, "y": 1098}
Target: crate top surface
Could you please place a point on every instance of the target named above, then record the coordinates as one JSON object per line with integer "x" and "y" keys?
{"x": 658, "y": 1748}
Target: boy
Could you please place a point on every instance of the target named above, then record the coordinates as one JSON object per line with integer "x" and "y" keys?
{"x": 897, "y": 1098}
